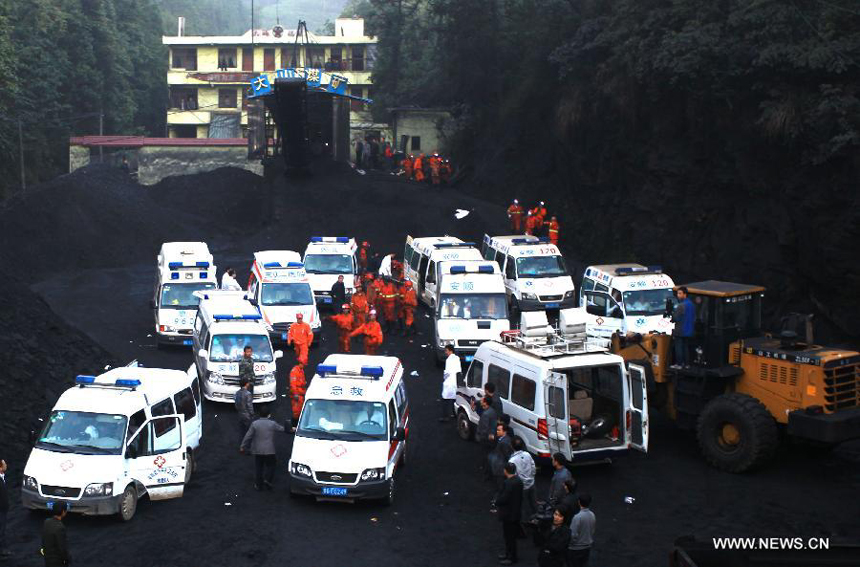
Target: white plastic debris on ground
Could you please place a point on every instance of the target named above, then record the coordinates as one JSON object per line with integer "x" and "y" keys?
{"x": 461, "y": 213}
{"x": 629, "y": 499}
{"x": 414, "y": 373}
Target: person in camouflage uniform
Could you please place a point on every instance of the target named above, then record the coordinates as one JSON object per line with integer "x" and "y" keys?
{"x": 246, "y": 367}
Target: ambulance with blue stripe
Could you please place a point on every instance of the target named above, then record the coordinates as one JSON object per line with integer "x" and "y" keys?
{"x": 279, "y": 286}
{"x": 352, "y": 432}
{"x": 183, "y": 268}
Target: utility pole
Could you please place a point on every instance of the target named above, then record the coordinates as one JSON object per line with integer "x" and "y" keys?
{"x": 21, "y": 147}
{"x": 101, "y": 133}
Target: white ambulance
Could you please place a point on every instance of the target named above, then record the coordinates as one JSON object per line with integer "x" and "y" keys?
{"x": 536, "y": 275}
{"x": 625, "y": 298}
{"x": 564, "y": 393}
{"x": 183, "y": 268}
{"x": 327, "y": 258}
{"x": 113, "y": 438}
{"x": 421, "y": 255}
{"x": 280, "y": 287}
{"x": 470, "y": 307}
{"x": 226, "y": 323}
{"x": 352, "y": 432}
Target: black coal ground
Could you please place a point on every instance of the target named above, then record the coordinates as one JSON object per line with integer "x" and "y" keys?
{"x": 87, "y": 244}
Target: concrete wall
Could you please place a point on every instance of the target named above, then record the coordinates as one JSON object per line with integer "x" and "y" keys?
{"x": 79, "y": 156}
{"x": 432, "y": 126}
{"x": 156, "y": 163}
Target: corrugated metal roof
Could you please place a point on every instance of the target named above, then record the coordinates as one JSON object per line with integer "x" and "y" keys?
{"x": 140, "y": 141}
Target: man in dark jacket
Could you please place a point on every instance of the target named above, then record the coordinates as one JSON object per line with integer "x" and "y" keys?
{"x": 556, "y": 485}
{"x": 338, "y": 293}
{"x": 486, "y": 430}
{"x": 4, "y": 509}
{"x": 501, "y": 453}
{"x": 684, "y": 317}
{"x": 509, "y": 505}
{"x": 244, "y": 401}
{"x": 260, "y": 439}
{"x": 554, "y": 548}
{"x": 54, "y": 544}
{"x": 246, "y": 367}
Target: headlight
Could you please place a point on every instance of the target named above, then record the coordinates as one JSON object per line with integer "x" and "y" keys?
{"x": 301, "y": 470}
{"x": 373, "y": 474}
{"x": 529, "y": 295}
{"x": 216, "y": 378}
{"x": 30, "y": 482}
{"x": 568, "y": 294}
{"x": 268, "y": 379}
{"x": 105, "y": 489}
{"x": 167, "y": 329}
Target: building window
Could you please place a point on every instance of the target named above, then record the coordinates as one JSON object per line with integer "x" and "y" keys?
{"x": 336, "y": 60}
{"x": 358, "y": 59}
{"x": 315, "y": 56}
{"x": 268, "y": 60}
{"x": 183, "y": 98}
{"x": 226, "y": 98}
{"x": 184, "y": 58}
{"x": 356, "y": 105}
{"x": 185, "y": 130}
{"x": 416, "y": 144}
{"x": 247, "y": 59}
{"x": 226, "y": 58}
{"x": 288, "y": 58}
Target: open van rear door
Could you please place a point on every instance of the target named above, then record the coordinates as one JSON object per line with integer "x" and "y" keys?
{"x": 637, "y": 411}
{"x": 558, "y": 423}
{"x": 408, "y": 272}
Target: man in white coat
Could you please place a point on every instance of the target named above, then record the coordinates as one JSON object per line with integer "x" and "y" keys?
{"x": 449, "y": 382}
{"x": 228, "y": 281}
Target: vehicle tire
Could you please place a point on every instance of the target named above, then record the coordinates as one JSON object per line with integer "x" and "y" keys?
{"x": 128, "y": 503}
{"x": 736, "y": 433}
{"x": 190, "y": 465}
{"x": 401, "y": 463}
{"x": 389, "y": 500}
{"x": 465, "y": 427}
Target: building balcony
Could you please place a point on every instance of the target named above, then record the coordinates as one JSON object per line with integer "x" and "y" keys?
{"x": 200, "y": 117}
{"x": 182, "y": 77}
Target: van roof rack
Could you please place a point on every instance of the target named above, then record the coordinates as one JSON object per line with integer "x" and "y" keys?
{"x": 553, "y": 343}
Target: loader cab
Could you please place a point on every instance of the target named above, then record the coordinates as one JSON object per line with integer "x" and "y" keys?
{"x": 725, "y": 313}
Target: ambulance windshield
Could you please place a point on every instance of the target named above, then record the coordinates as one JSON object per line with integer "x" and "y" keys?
{"x": 348, "y": 420}
{"x": 229, "y": 348}
{"x": 328, "y": 264}
{"x": 287, "y": 294}
{"x": 647, "y": 301}
{"x": 181, "y": 295}
{"x": 83, "y": 432}
{"x": 473, "y": 306}
{"x": 541, "y": 267}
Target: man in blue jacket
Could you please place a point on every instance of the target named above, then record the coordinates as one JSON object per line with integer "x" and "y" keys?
{"x": 684, "y": 317}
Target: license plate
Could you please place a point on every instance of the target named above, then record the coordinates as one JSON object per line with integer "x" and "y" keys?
{"x": 187, "y": 342}
{"x": 283, "y": 336}
{"x": 326, "y": 299}
{"x": 552, "y": 305}
{"x": 469, "y": 357}
{"x": 333, "y": 491}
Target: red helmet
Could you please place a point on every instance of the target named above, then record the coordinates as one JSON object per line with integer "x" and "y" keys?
{"x": 299, "y": 316}
{"x": 365, "y": 243}
{"x": 408, "y": 283}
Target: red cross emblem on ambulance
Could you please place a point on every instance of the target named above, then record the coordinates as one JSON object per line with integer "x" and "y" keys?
{"x": 159, "y": 461}
{"x": 338, "y": 450}
{"x": 599, "y": 320}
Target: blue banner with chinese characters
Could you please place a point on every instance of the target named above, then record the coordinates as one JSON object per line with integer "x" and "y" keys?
{"x": 316, "y": 79}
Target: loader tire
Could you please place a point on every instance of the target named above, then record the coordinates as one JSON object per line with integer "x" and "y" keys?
{"x": 736, "y": 433}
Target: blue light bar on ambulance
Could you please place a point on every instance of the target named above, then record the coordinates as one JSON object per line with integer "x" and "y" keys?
{"x": 639, "y": 270}
{"x": 453, "y": 244}
{"x": 458, "y": 269}
{"x": 176, "y": 265}
{"x": 247, "y": 317}
{"x": 372, "y": 371}
{"x": 126, "y": 383}
{"x": 85, "y": 379}
{"x": 526, "y": 240}
{"x": 323, "y": 369}
{"x": 295, "y": 265}
{"x": 272, "y": 265}
{"x": 342, "y": 239}
{"x": 485, "y": 269}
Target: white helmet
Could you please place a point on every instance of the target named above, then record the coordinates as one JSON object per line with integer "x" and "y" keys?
{"x": 516, "y": 202}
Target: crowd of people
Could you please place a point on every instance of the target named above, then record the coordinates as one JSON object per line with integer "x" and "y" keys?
{"x": 377, "y": 153}
{"x": 535, "y": 221}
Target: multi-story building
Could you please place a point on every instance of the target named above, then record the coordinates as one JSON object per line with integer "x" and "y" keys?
{"x": 208, "y": 76}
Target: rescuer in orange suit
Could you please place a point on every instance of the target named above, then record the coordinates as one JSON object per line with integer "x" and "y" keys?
{"x": 419, "y": 168}
{"x": 552, "y": 230}
{"x": 435, "y": 168}
{"x": 531, "y": 223}
{"x": 362, "y": 256}
{"x": 371, "y": 289}
{"x": 358, "y": 305}
{"x": 300, "y": 337}
{"x": 396, "y": 269}
{"x": 372, "y": 334}
{"x": 446, "y": 171}
{"x": 298, "y": 387}
{"x": 408, "y": 163}
{"x": 388, "y": 297}
{"x": 409, "y": 302}
{"x": 344, "y": 327}
{"x": 541, "y": 211}
{"x": 515, "y": 213}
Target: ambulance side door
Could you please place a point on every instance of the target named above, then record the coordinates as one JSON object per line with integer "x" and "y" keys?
{"x": 603, "y": 315}
{"x": 155, "y": 457}
{"x": 429, "y": 292}
{"x": 637, "y": 409}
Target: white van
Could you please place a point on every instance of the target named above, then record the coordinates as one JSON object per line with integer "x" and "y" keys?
{"x": 280, "y": 287}
{"x": 352, "y": 432}
{"x": 226, "y": 323}
{"x": 326, "y": 258}
{"x": 421, "y": 255}
{"x": 114, "y": 438}
{"x": 625, "y": 298}
{"x": 470, "y": 307}
{"x": 183, "y": 268}
{"x": 536, "y": 276}
{"x": 563, "y": 393}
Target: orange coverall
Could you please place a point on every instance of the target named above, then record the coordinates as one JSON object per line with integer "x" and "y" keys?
{"x": 419, "y": 168}
{"x": 359, "y": 307}
{"x": 435, "y": 167}
{"x": 407, "y": 166}
{"x": 344, "y": 328}
{"x": 553, "y": 231}
{"x": 373, "y": 293}
{"x": 515, "y": 212}
{"x": 389, "y": 298}
{"x": 362, "y": 259}
{"x": 531, "y": 224}
{"x": 301, "y": 337}
{"x": 298, "y": 387}
{"x": 372, "y": 336}
{"x": 410, "y": 302}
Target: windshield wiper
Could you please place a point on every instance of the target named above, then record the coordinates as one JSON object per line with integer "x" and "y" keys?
{"x": 100, "y": 450}
{"x": 316, "y": 432}
{"x": 53, "y": 446}
{"x": 363, "y": 435}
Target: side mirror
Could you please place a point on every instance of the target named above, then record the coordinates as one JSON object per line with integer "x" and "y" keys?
{"x": 616, "y": 313}
{"x": 593, "y": 309}
{"x": 279, "y": 354}
{"x": 131, "y": 452}
{"x": 399, "y": 434}
{"x": 32, "y": 437}
{"x": 253, "y": 302}
{"x": 203, "y": 353}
